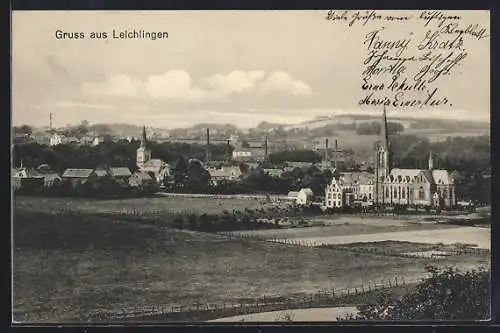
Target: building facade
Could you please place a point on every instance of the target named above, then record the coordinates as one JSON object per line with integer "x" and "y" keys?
{"x": 410, "y": 187}
{"x": 347, "y": 188}
{"x": 157, "y": 168}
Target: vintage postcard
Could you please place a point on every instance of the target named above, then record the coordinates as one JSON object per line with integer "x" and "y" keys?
{"x": 250, "y": 166}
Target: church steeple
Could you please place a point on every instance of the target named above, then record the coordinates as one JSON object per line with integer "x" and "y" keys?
{"x": 143, "y": 138}
{"x": 382, "y": 159}
{"x": 431, "y": 160}
{"x": 384, "y": 132}
{"x": 143, "y": 153}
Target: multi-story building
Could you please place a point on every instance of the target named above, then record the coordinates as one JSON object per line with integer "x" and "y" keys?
{"x": 349, "y": 187}
{"x": 410, "y": 187}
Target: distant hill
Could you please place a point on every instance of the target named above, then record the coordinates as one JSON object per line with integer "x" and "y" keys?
{"x": 407, "y": 122}
{"x": 320, "y": 126}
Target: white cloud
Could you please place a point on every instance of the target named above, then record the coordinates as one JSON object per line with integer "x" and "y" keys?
{"x": 281, "y": 81}
{"x": 235, "y": 82}
{"x": 177, "y": 86}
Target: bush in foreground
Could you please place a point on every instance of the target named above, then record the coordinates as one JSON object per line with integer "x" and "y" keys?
{"x": 448, "y": 294}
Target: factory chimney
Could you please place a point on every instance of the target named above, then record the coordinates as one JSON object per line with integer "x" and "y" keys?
{"x": 228, "y": 152}
{"x": 207, "y": 156}
{"x": 326, "y": 153}
{"x": 336, "y": 153}
{"x": 50, "y": 121}
{"x": 265, "y": 150}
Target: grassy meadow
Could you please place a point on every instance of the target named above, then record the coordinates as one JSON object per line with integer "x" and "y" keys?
{"x": 142, "y": 206}
{"x": 67, "y": 265}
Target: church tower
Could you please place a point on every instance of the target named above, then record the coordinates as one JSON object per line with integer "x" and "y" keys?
{"x": 382, "y": 159}
{"x": 143, "y": 152}
{"x": 431, "y": 161}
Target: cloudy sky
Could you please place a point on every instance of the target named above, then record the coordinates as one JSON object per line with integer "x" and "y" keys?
{"x": 237, "y": 67}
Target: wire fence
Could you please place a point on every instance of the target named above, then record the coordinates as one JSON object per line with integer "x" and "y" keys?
{"x": 436, "y": 253}
{"x": 322, "y": 298}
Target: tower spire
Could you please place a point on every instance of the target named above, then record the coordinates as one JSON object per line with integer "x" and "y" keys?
{"x": 431, "y": 160}
{"x": 143, "y": 138}
{"x": 384, "y": 130}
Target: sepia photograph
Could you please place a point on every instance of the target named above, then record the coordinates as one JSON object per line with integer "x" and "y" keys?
{"x": 264, "y": 166}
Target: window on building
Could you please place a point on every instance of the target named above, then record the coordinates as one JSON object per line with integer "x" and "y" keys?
{"x": 330, "y": 203}
{"x": 421, "y": 193}
{"x": 338, "y": 196}
{"x": 403, "y": 194}
{"x": 387, "y": 192}
{"x": 445, "y": 194}
{"x": 395, "y": 192}
{"x": 369, "y": 196}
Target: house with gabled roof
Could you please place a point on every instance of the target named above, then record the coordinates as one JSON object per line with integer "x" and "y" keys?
{"x": 120, "y": 175}
{"x": 79, "y": 176}
{"x": 229, "y": 173}
{"x": 143, "y": 181}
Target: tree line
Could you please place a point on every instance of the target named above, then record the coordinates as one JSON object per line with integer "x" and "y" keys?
{"x": 470, "y": 156}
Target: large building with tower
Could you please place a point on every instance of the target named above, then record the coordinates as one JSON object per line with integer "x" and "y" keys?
{"x": 156, "y": 168}
{"x": 410, "y": 187}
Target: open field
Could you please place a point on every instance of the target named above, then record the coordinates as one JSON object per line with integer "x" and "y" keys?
{"x": 348, "y": 225}
{"x": 68, "y": 265}
{"x": 476, "y": 237}
{"x": 164, "y": 204}
{"x": 432, "y": 234}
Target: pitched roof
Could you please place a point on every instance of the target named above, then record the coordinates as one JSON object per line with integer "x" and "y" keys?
{"x": 274, "y": 172}
{"x": 142, "y": 175}
{"x": 154, "y": 163}
{"x": 293, "y": 194}
{"x": 363, "y": 178}
{"x": 406, "y": 172}
{"x": 224, "y": 172}
{"x": 120, "y": 172}
{"x": 101, "y": 172}
{"x": 442, "y": 177}
{"x": 77, "y": 173}
{"x": 307, "y": 191}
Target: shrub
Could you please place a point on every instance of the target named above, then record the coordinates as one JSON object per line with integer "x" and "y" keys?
{"x": 448, "y": 294}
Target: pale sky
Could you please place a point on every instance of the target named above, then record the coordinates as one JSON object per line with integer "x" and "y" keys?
{"x": 238, "y": 67}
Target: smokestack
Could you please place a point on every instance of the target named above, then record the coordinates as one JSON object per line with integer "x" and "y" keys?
{"x": 265, "y": 150}
{"x": 326, "y": 151}
{"x": 207, "y": 157}
{"x": 336, "y": 153}
{"x": 228, "y": 151}
{"x": 50, "y": 121}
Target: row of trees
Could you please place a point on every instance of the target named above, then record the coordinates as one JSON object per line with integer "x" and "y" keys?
{"x": 375, "y": 128}
{"x": 191, "y": 177}
{"x": 470, "y": 156}
{"x": 122, "y": 153}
